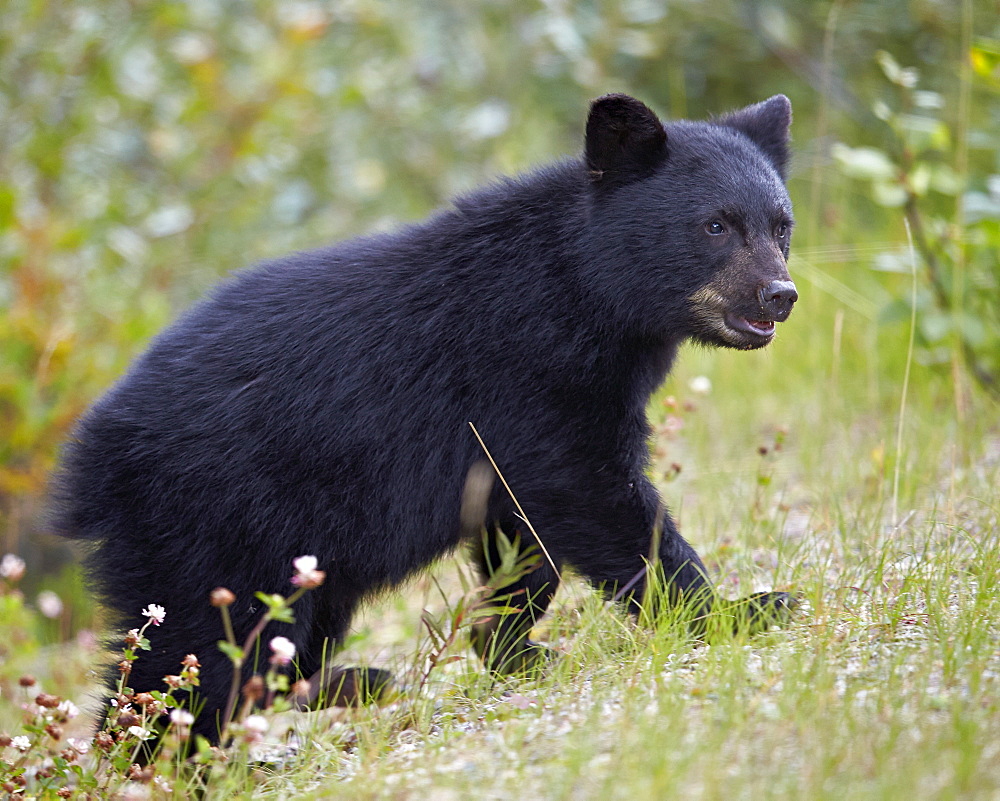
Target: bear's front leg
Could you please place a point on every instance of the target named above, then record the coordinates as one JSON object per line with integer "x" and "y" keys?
{"x": 617, "y": 560}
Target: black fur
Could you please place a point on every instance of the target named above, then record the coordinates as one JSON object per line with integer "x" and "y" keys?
{"x": 320, "y": 404}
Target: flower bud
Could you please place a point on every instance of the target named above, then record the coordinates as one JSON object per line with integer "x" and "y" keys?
{"x": 253, "y": 689}
{"x": 47, "y": 701}
{"x": 221, "y": 596}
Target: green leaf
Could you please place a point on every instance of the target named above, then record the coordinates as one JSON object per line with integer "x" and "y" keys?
{"x": 234, "y": 652}
{"x": 906, "y": 77}
{"x": 272, "y": 601}
{"x": 945, "y": 180}
{"x": 865, "y": 163}
{"x": 890, "y": 195}
{"x": 935, "y": 325}
{"x": 434, "y": 628}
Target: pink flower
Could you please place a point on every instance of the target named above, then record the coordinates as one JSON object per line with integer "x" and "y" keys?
{"x": 284, "y": 650}
{"x": 257, "y": 723}
{"x": 181, "y": 718}
{"x": 69, "y": 709}
{"x": 306, "y": 574}
{"x": 305, "y": 564}
{"x": 50, "y": 604}
{"x": 12, "y": 567}
{"x": 255, "y": 727}
{"x": 155, "y": 613}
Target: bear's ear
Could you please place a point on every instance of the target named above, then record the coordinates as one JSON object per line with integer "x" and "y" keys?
{"x": 625, "y": 140}
{"x": 766, "y": 124}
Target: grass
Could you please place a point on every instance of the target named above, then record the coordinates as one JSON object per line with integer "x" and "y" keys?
{"x": 782, "y": 474}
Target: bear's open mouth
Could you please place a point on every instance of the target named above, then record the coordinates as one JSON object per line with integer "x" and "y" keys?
{"x": 758, "y": 328}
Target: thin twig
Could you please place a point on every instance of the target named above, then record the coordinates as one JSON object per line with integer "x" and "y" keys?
{"x": 520, "y": 511}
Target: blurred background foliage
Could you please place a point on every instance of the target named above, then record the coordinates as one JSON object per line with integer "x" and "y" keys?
{"x": 149, "y": 147}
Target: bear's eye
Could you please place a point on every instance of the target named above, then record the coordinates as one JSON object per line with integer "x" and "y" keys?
{"x": 781, "y": 231}
{"x": 715, "y": 228}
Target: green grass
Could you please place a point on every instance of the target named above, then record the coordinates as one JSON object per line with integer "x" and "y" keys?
{"x": 884, "y": 686}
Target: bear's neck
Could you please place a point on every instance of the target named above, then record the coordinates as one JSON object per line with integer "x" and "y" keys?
{"x": 513, "y": 252}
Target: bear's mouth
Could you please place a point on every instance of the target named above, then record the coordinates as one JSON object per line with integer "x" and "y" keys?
{"x": 764, "y": 329}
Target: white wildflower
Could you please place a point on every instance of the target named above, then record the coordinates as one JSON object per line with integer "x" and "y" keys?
{"x": 155, "y": 613}
{"x": 284, "y": 650}
{"x": 50, "y": 604}
{"x": 306, "y": 575}
{"x": 12, "y": 567}
{"x": 181, "y": 717}
{"x": 21, "y": 743}
{"x": 256, "y": 725}
{"x": 305, "y": 564}
{"x": 700, "y": 385}
{"x": 69, "y": 709}
{"x": 140, "y": 732}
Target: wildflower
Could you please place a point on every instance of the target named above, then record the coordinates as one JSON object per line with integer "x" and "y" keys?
{"x": 162, "y": 784}
{"x": 256, "y": 727}
{"x": 12, "y": 567}
{"x": 133, "y": 638}
{"x": 257, "y": 723}
{"x": 700, "y": 384}
{"x": 21, "y": 743}
{"x": 191, "y": 661}
{"x": 54, "y": 731}
{"x": 253, "y": 689}
{"x": 48, "y": 701}
{"x": 220, "y": 596}
{"x": 306, "y": 574}
{"x": 305, "y": 564}
{"x": 181, "y": 718}
{"x": 155, "y": 613}
{"x": 50, "y": 604}
{"x": 284, "y": 650}
{"x": 190, "y": 674}
{"x": 79, "y": 745}
{"x": 140, "y": 732}
{"x": 671, "y": 425}
{"x": 103, "y": 740}
{"x": 27, "y": 680}
{"x": 127, "y": 718}
{"x": 68, "y": 709}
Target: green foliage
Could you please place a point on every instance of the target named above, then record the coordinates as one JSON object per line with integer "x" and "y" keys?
{"x": 953, "y": 213}
{"x": 150, "y": 148}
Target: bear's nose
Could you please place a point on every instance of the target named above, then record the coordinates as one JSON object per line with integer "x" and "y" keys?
{"x": 777, "y": 299}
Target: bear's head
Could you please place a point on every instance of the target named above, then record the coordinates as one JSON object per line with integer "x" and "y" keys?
{"x": 690, "y": 222}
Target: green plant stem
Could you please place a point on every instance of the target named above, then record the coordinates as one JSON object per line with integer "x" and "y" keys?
{"x": 906, "y": 379}
{"x": 234, "y": 688}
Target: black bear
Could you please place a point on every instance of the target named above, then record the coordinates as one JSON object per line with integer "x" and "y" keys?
{"x": 320, "y": 404}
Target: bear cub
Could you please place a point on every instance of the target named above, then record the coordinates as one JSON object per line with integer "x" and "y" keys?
{"x": 319, "y": 404}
